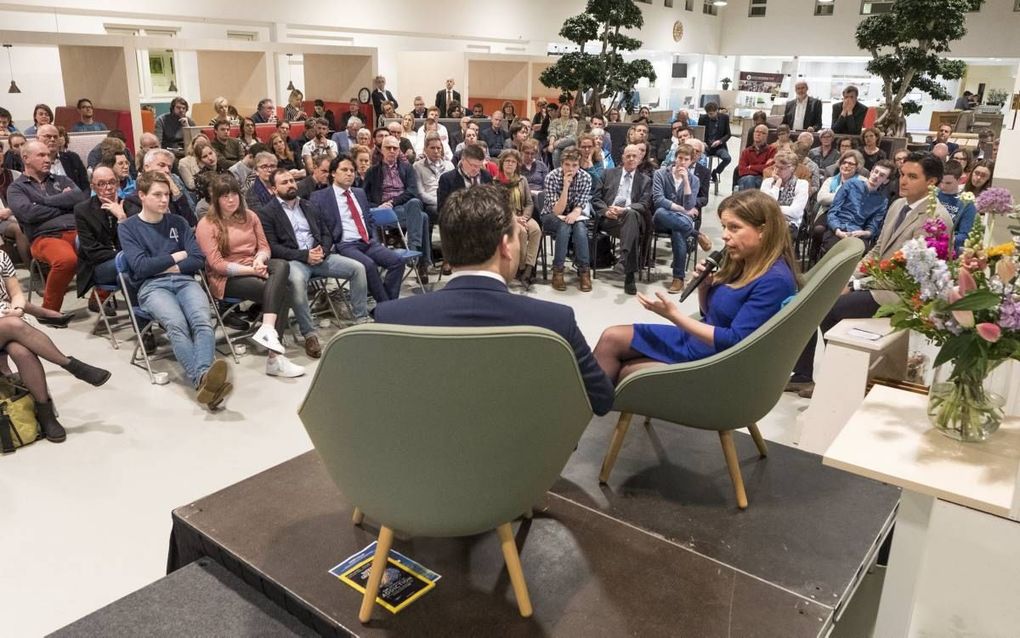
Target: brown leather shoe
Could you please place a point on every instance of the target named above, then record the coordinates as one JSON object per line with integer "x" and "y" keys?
{"x": 312, "y": 347}
{"x": 557, "y": 280}
{"x": 528, "y": 276}
{"x": 704, "y": 242}
{"x": 676, "y": 287}
{"x": 584, "y": 281}
{"x": 447, "y": 270}
{"x": 423, "y": 273}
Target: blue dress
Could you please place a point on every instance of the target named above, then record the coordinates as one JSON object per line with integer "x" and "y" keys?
{"x": 735, "y": 313}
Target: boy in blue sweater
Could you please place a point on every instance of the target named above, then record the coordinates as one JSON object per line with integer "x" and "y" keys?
{"x": 163, "y": 256}
{"x": 962, "y": 212}
{"x": 859, "y": 207}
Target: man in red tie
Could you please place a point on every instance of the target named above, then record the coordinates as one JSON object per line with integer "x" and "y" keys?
{"x": 347, "y": 215}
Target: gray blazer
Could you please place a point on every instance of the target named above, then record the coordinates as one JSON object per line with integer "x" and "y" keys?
{"x": 604, "y": 192}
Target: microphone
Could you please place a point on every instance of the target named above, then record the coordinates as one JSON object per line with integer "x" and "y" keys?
{"x": 711, "y": 264}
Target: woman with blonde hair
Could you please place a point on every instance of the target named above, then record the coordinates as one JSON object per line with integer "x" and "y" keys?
{"x": 238, "y": 265}
{"x": 285, "y": 158}
{"x": 295, "y": 112}
{"x": 757, "y": 274}
{"x": 362, "y": 156}
{"x": 523, "y": 208}
{"x": 223, "y": 112}
{"x": 188, "y": 166}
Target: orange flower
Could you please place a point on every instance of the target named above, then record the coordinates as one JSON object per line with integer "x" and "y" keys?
{"x": 899, "y": 258}
{"x": 885, "y": 264}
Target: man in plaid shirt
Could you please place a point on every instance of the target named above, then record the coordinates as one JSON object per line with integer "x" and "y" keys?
{"x": 565, "y": 215}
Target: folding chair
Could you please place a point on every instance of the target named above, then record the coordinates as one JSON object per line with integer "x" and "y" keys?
{"x": 140, "y": 355}
{"x": 38, "y": 269}
{"x": 110, "y": 300}
{"x": 319, "y": 289}
{"x": 233, "y": 305}
{"x": 387, "y": 218}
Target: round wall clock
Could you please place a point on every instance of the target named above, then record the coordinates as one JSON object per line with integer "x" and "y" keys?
{"x": 678, "y": 31}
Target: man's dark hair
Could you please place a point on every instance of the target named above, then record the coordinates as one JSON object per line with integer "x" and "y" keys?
{"x": 851, "y": 89}
{"x": 5, "y": 113}
{"x": 474, "y": 152}
{"x": 109, "y": 159}
{"x": 178, "y": 100}
{"x": 885, "y": 163}
{"x": 954, "y": 168}
{"x": 220, "y": 123}
{"x": 262, "y": 103}
{"x": 474, "y": 222}
{"x": 931, "y": 166}
{"x": 82, "y": 101}
{"x": 342, "y": 157}
{"x": 117, "y": 133}
{"x": 319, "y": 102}
{"x": 571, "y": 154}
{"x": 477, "y": 105}
{"x": 711, "y": 107}
{"x": 279, "y": 171}
{"x": 148, "y": 178}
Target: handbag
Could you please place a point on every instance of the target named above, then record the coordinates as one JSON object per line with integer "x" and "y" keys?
{"x": 18, "y": 425}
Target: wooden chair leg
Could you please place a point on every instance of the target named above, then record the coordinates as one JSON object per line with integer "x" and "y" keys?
{"x": 513, "y": 567}
{"x": 759, "y": 440}
{"x": 382, "y": 552}
{"x": 730, "y": 452}
{"x": 358, "y": 516}
{"x": 614, "y": 446}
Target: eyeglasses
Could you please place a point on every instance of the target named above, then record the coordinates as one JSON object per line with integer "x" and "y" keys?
{"x": 391, "y": 148}
{"x": 106, "y": 184}
{"x": 848, "y": 163}
{"x": 267, "y": 166}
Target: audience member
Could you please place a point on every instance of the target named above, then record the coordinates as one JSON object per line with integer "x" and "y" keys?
{"x": 295, "y": 233}
{"x": 803, "y": 112}
{"x": 431, "y": 127}
{"x": 869, "y": 147}
{"x": 621, "y": 205}
{"x": 674, "y": 197}
{"x": 353, "y": 110}
{"x": 966, "y": 159}
{"x": 905, "y": 220}
{"x": 43, "y": 203}
{"x": 825, "y": 154}
{"x": 319, "y": 145}
{"x": 10, "y": 230}
{"x": 848, "y": 165}
{"x": 782, "y": 137}
{"x": 244, "y": 171}
{"x": 567, "y": 202}
{"x": 380, "y": 95}
{"x": 787, "y": 189}
{"x": 346, "y": 138}
{"x": 980, "y": 177}
{"x": 941, "y": 151}
{"x": 86, "y": 118}
{"x": 170, "y": 126}
{"x": 962, "y": 212}
{"x": 470, "y": 172}
{"x": 164, "y": 257}
{"x": 223, "y": 112}
{"x": 239, "y": 265}
{"x": 701, "y": 171}
{"x": 285, "y": 157}
{"x": 12, "y": 159}
{"x": 161, "y": 161}
{"x": 509, "y": 112}
{"x": 754, "y": 158}
{"x": 533, "y": 168}
{"x": 942, "y": 137}
{"x": 523, "y": 208}
{"x": 258, "y": 194}
{"x": 246, "y": 134}
{"x": 758, "y": 274}
{"x": 802, "y": 148}
{"x": 758, "y": 118}
{"x": 496, "y": 135}
{"x": 347, "y": 215}
{"x": 848, "y": 115}
{"x": 428, "y": 169}
{"x": 482, "y": 244}
{"x": 361, "y": 155}
{"x": 445, "y": 96}
{"x": 717, "y": 134}
{"x": 265, "y": 112}
{"x": 591, "y": 156}
{"x": 41, "y": 114}
{"x": 392, "y": 184}
{"x": 455, "y": 111}
{"x": 318, "y": 178}
{"x": 478, "y": 111}
{"x": 121, "y": 166}
{"x": 319, "y": 110}
{"x": 228, "y": 149}
{"x": 859, "y": 207}
{"x": 96, "y": 220}
{"x": 7, "y": 122}
{"x": 966, "y": 102}
{"x": 295, "y": 111}
{"x": 562, "y": 133}
{"x": 63, "y": 162}
{"x": 419, "y": 111}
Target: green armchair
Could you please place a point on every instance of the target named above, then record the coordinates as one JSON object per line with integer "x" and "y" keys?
{"x": 736, "y": 387}
{"x": 470, "y": 451}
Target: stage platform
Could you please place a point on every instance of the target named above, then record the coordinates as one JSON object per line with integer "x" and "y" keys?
{"x": 661, "y": 550}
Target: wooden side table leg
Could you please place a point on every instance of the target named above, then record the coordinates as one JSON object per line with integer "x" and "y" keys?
{"x": 902, "y": 578}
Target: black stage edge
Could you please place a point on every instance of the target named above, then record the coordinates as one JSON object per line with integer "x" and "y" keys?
{"x": 200, "y": 599}
{"x": 662, "y": 550}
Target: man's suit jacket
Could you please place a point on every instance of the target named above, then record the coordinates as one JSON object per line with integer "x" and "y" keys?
{"x": 75, "y": 170}
{"x": 604, "y": 192}
{"x": 722, "y": 130}
{"x": 451, "y": 181}
{"x": 280, "y": 234}
{"x": 329, "y": 214}
{"x": 812, "y": 114}
{"x": 848, "y": 125}
{"x": 441, "y": 102}
{"x": 97, "y": 240}
{"x": 343, "y": 141}
{"x": 374, "y": 183}
{"x": 378, "y": 97}
{"x": 473, "y": 300}
{"x": 892, "y": 238}
{"x": 704, "y": 179}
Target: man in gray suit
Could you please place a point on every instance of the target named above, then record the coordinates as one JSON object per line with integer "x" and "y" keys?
{"x": 904, "y": 221}
{"x": 345, "y": 139}
{"x": 804, "y": 113}
{"x": 621, "y": 205}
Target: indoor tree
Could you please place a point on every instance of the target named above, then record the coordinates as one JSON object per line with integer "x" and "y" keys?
{"x": 908, "y": 45}
{"x": 605, "y": 74}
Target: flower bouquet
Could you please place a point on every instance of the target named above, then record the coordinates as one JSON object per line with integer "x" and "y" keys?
{"x": 969, "y": 306}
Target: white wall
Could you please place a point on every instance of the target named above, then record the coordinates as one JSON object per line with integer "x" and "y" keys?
{"x": 1007, "y": 164}
{"x": 37, "y": 72}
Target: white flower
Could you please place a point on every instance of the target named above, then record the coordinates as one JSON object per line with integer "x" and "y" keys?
{"x": 924, "y": 267}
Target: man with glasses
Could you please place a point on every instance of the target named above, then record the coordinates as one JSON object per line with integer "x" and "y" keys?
{"x": 259, "y": 194}
{"x": 63, "y": 162}
{"x": 392, "y": 184}
{"x": 753, "y": 159}
{"x": 96, "y": 220}
{"x": 86, "y": 114}
{"x": 318, "y": 178}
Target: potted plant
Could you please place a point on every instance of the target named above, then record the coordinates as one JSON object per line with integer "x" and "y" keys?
{"x": 997, "y": 97}
{"x": 726, "y": 84}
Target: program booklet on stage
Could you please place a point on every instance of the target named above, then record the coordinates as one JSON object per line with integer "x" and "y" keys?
{"x": 404, "y": 582}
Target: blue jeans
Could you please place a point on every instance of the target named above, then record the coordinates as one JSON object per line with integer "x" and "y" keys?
{"x": 106, "y": 273}
{"x": 722, "y": 153}
{"x": 749, "y": 182}
{"x": 680, "y": 227}
{"x": 333, "y": 266}
{"x": 564, "y": 232}
{"x": 413, "y": 217}
{"x": 180, "y": 305}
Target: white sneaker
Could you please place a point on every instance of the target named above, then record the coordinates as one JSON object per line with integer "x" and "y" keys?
{"x": 266, "y": 337}
{"x": 282, "y": 367}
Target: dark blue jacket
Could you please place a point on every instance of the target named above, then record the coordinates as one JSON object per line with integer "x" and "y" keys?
{"x": 325, "y": 200}
{"x": 471, "y": 301}
{"x": 374, "y": 183}
{"x": 148, "y": 247}
{"x": 280, "y": 234}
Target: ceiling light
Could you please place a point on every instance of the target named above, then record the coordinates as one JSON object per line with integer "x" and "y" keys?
{"x": 719, "y": 3}
{"x": 14, "y": 87}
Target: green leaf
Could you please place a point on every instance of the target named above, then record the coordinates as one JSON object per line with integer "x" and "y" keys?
{"x": 955, "y": 348}
{"x": 887, "y": 310}
{"x": 977, "y": 300}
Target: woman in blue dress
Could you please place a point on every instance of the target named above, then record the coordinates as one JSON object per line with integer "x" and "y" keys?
{"x": 757, "y": 274}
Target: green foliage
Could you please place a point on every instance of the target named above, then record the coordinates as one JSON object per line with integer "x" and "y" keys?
{"x": 908, "y": 46}
{"x": 606, "y": 73}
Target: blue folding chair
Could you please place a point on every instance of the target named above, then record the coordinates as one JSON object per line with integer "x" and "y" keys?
{"x": 387, "y": 218}
{"x": 141, "y": 322}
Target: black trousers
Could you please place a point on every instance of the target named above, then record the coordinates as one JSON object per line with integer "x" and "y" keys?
{"x": 858, "y": 304}
{"x": 272, "y": 293}
{"x": 628, "y": 227}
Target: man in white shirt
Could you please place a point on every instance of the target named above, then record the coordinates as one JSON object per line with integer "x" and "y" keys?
{"x": 429, "y": 168}
{"x": 318, "y": 145}
{"x": 803, "y": 113}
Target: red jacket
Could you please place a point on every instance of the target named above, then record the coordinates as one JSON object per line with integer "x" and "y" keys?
{"x": 752, "y": 162}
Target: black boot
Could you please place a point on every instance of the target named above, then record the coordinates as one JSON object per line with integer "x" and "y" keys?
{"x": 51, "y": 428}
{"x": 85, "y": 372}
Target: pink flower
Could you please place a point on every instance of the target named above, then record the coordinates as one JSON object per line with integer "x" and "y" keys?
{"x": 967, "y": 283}
{"x": 1006, "y": 269}
{"x": 965, "y": 318}
{"x": 988, "y": 331}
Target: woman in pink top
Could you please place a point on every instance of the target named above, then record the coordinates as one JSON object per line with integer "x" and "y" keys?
{"x": 238, "y": 265}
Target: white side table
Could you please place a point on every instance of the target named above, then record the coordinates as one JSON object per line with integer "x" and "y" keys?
{"x": 847, "y": 364}
{"x": 956, "y": 495}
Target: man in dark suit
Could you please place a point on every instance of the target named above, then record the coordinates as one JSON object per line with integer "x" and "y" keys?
{"x": 481, "y": 241}
{"x": 96, "y": 221}
{"x": 621, "y": 205}
{"x": 805, "y": 112}
{"x": 848, "y": 115}
{"x": 717, "y": 133}
{"x": 295, "y": 232}
{"x": 346, "y": 214}
{"x": 381, "y": 94}
{"x": 445, "y": 96}
{"x": 469, "y": 171}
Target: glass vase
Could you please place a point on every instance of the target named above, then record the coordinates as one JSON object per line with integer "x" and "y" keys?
{"x": 965, "y": 404}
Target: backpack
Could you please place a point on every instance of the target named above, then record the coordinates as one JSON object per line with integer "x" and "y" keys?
{"x": 18, "y": 425}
